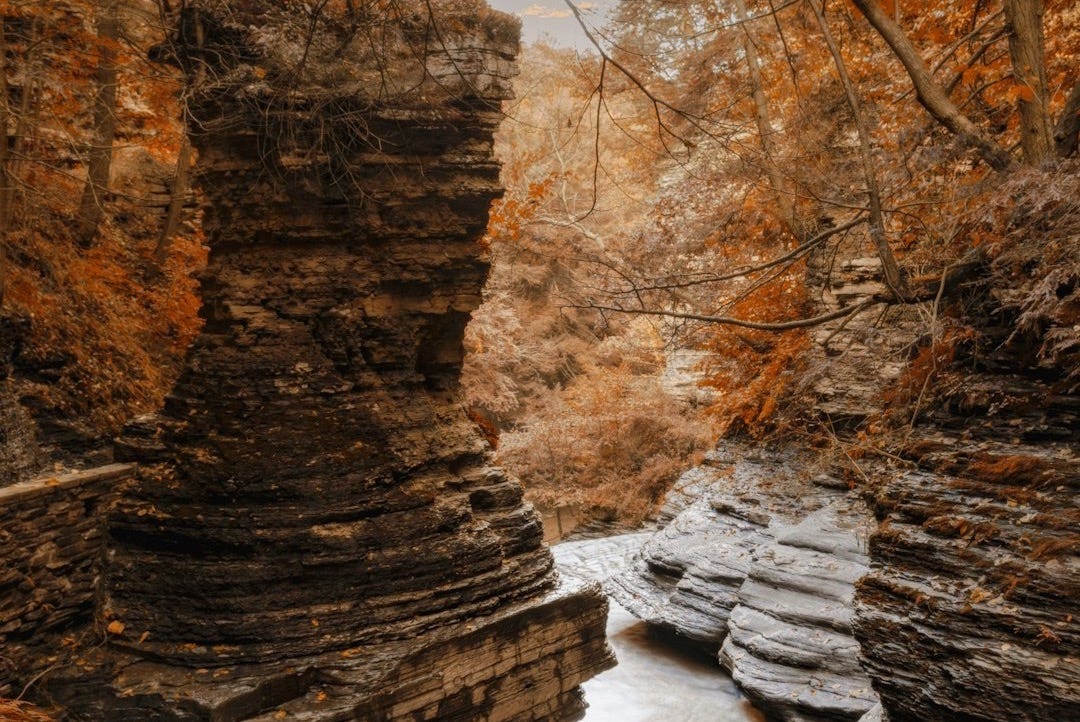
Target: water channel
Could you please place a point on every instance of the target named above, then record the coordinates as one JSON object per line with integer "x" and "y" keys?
{"x": 656, "y": 680}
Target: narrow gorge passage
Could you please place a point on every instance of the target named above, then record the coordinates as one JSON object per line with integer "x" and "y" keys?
{"x": 656, "y": 680}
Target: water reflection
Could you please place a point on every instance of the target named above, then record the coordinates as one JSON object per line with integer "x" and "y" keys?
{"x": 655, "y": 681}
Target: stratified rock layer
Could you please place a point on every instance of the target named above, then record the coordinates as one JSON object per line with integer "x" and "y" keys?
{"x": 313, "y": 491}
{"x": 790, "y": 645}
{"x": 686, "y": 578}
{"x": 51, "y": 543}
{"x": 972, "y": 606}
{"x": 761, "y": 564}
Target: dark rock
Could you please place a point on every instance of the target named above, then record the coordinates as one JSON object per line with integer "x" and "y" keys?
{"x": 52, "y": 532}
{"x": 315, "y": 514}
{"x": 970, "y": 610}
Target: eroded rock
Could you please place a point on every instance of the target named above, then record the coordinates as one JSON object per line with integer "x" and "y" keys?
{"x": 790, "y": 645}
{"x": 762, "y": 566}
{"x": 970, "y": 610}
{"x": 316, "y": 527}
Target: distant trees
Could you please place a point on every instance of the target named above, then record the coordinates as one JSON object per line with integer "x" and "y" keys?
{"x": 91, "y": 135}
{"x": 811, "y": 124}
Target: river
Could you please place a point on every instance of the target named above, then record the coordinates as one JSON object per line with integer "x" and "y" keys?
{"x": 655, "y": 681}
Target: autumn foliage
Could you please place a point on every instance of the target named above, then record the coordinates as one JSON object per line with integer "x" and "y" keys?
{"x": 18, "y": 711}
{"x": 108, "y": 321}
{"x": 715, "y": 163}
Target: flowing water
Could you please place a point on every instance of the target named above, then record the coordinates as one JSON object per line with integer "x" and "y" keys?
{"x": 656, "y": 681}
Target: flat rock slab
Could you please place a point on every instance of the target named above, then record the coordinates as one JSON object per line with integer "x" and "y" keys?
{"x": 525, "y": 662}
{"x": 760, "y": 565}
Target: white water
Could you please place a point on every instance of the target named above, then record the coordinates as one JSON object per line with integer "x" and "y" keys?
{"x": 655, "y": 681}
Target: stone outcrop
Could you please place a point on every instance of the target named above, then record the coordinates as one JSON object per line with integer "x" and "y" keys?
{"x": 971, "y": 609}
{"x": 790, "y": 645}
{"x": 316, "y": 527}
{"x": 52, "y": 532}
{"x": 855, "y": 359}
{"x": 761, "y": 564}
{"x": 972, "y": 606}
{"x": 686, "y": 578}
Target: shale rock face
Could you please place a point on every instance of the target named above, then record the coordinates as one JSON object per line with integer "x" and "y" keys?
{"x": 51, "y": 532}
{"x": 686, "y": 578}
{"x": 316, "y": 518}
{"x": 790, "y": 645}
{"x": 761, "y": 565}
{"x": 971, "y": 608}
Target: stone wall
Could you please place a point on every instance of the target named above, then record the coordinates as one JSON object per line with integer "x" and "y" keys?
{"x": 51, "y": 541}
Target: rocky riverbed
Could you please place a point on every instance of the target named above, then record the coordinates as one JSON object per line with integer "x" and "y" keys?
{"x": 657, "y": 678}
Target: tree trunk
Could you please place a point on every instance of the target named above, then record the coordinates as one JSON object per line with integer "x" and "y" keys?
{"x": 1024, "y": 18}
{"x": 5, "y": 180}
{"x": 91, "y": 207}
{"x": 764, "y": 124}
{"x": 889, "y": 266}
{"x": 931, "y": 95}
{"x": 182, "y": 179}
{"x": 177, "y": 197}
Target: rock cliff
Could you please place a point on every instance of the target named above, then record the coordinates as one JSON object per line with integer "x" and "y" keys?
{"x": 316, "y": 527}
{"x": 971, "y": 608}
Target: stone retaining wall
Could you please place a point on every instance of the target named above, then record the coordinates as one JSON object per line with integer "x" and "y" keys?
{"x": 51, "y": 539}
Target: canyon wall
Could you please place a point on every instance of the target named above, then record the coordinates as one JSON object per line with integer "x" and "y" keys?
{"x": 962, "y": 604}
{"x": 316, "y": 526}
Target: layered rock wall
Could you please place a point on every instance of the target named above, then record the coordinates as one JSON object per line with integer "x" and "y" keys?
{"x": 759, "y": 563}
{"x": 316, "y": 519}
{"x": 972, "y": 606}
{"x": 52, "y": 532}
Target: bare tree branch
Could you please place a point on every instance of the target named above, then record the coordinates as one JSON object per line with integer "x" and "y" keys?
{"x": 732, "y": 321}
{"x": 931, "y": 95}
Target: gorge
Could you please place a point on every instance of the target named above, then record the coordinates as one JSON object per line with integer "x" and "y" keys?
{"x": 315, "y": 526}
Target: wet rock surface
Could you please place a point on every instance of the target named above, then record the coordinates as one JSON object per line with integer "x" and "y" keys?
{"x": 316, "y": 526}
{"x": 658, "y": 679}
{"x": 762, "y": 567}
{"x": 686, "y": 577}
{"x": 790, "y": 645}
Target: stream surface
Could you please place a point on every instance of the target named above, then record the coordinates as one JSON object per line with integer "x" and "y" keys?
{"x": 656, "y": 681}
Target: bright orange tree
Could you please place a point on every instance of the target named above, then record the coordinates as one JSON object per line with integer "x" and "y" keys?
{"x": 109, "y": 324}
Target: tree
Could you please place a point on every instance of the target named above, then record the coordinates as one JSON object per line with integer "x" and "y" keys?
{"x": 100, "y": 154}
{"x": 80, "y": 102}
{"x": 757, "y": 92}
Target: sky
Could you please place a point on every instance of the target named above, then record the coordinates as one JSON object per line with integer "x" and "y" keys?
{"x": 552, "y": 18}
